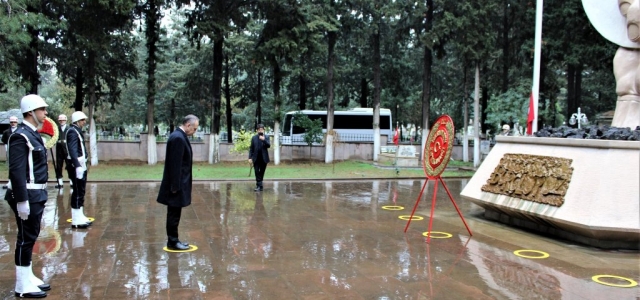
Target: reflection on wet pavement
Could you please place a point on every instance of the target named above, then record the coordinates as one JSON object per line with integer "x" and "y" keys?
{"x": 302, "y": 240}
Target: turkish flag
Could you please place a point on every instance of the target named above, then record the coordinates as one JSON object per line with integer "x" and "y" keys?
{"x": 396, "y": 137}
{"x": 530, "y": 117}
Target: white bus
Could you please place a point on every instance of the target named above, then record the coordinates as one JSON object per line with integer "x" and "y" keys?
{"x": 354, "y": 125}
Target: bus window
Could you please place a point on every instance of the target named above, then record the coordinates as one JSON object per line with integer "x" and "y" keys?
{"x": 298, "y": 129}
{"x": 286, "y": 130}
{"x": 385, "y": 122}
{"x": 288, "y": 122}
{"x": 353, "y": 122}
{"x": 322, "y": 118}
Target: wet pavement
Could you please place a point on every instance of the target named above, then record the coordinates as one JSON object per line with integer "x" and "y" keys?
{"x": 303, "y": 240}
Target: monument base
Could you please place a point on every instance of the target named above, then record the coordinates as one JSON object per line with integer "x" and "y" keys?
{"x": 401, "y": 161}
{"x": 601, "y": 206}
{"x": 406, "y": 157}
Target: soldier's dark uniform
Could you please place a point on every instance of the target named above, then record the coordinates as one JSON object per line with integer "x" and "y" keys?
{"x": 76, "y": 157}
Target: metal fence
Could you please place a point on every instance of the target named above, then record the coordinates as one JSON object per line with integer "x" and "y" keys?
{"x": 284, "y": 140}
{"x": 343, "y": 137}
{"x": 136, "y": 137}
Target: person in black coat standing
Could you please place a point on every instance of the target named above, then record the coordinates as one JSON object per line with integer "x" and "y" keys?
{"x": 259, "y": 155}
{"x": 61, "y": 149}
{"x": 175, "y": 189}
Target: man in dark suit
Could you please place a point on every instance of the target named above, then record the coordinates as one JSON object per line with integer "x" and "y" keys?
{"x": 259, "y": 155}
{"x": 27, "y": 193}
{"x": 61, "y": 149}
{"x": 175, "y": 189}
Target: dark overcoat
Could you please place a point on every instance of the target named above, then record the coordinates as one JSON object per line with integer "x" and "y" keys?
{"x": 259, "y": 147}
{"x": 61, "y": 145}
{"x": 175, "y": 189}
{"x": 5, "y": 135}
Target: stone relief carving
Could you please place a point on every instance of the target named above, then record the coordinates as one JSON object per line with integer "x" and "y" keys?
{"x": 542, "y": 179}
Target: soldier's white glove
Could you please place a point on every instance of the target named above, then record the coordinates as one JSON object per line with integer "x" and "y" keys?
{"x": 79, "y": 172}
{"x": 23, "y": 210}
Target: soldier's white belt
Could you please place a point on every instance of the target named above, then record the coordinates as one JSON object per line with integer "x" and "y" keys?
{"x": 36, "y": 186}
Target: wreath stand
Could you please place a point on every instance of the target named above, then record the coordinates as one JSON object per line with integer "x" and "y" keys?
{"x": 438, "y": 147}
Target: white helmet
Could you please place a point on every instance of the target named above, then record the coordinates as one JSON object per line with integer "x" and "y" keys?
{"x": 77, "y": 116}
{"x": 31, "y": 102}
{"x": 506, "y": 127}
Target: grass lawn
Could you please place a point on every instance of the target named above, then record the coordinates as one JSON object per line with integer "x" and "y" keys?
{"x": 122, "y": 171}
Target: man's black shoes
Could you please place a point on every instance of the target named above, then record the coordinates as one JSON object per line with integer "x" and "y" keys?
{"x": 258, "y": 189}
{"x": 179, "y": 246}
{"x": 81, "y": 226}
{"x": 31, "y": 295}
{"x": 44, "y": 287}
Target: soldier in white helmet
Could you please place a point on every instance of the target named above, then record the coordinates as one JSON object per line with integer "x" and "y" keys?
{"x": 61, "y": 149}
{"x": 506, "y": 130}
{"x": 77, "y": 169}
{"x": 27, "y": 193}
{"x": 13, "y": 125}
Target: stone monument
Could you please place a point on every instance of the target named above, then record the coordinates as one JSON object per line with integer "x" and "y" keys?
{"x": 586, "y": 191}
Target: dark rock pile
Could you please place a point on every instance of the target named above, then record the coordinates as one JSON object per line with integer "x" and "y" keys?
{"x": 592, "y": 132}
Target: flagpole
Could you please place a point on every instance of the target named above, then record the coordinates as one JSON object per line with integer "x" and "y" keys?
{"x": 536, "y": 65}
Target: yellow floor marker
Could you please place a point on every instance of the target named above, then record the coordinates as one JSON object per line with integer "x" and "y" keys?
{"x": 393, "y": 207}
{"x": 415, "y": 218}
{"x": 542, "y": 254}
{"x": 438, "y": 234}
{"x": 632, "y": 282}
{"x": 90, "y": 219}
{"x": 191, "y": 249}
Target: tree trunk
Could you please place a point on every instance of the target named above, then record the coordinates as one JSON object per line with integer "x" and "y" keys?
{"x": 32, "y": 59}
{"x": 79, "y": 102}
{"x": 364, "y": 92}
{"x": 465, "y": 135}
{"x": 578, "y": 87}
{"x": 505, "y": 46}
{"x": 302, "y": 81}
{"x": 573, "y": 92}
{"x": 277, "y": 79}
{"x": 227, "y": 96}
{"x": 214, "y": 137}
{"x": 544, "y": 91}
{"x": 32, "y": 75}
{"x": 483, "y": 105}
{"x": 152, "y": 38}
{"x": 172, "y": 115}
{"x": 258, "y": 118}
{"x": 328, "y": 154}
{"x": 426, "y": 81}
{"x": 376, "y": 94}
{"x": 91, "y": 85}
{"x": 476, "y": 113}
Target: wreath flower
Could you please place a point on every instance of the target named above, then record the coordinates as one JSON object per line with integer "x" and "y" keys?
{"x": 49, "y": 132}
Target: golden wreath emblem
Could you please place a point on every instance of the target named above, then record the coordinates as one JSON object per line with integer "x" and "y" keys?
{"x": 49, "y": 133}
